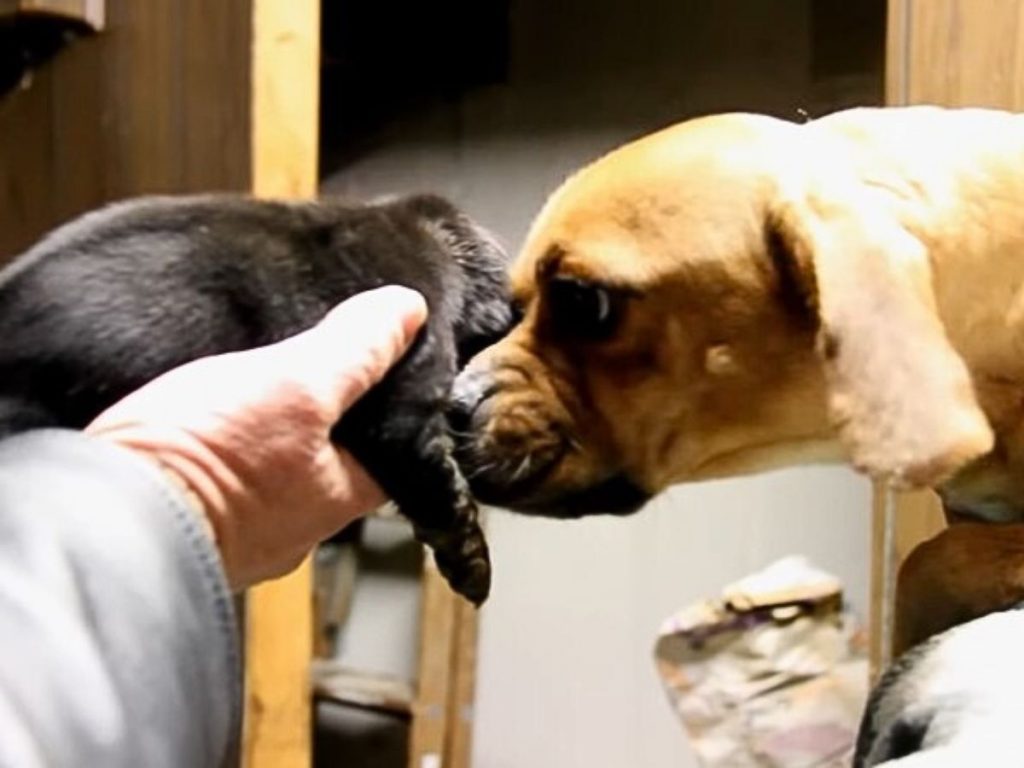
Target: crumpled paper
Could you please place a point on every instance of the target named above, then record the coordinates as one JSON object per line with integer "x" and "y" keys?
{"x": 772, "y": 674}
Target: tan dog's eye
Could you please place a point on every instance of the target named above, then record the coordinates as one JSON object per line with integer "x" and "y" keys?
{"x": 582, "y": 309}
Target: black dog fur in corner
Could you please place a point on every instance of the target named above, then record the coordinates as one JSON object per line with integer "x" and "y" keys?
{"x": 113, "y": 299}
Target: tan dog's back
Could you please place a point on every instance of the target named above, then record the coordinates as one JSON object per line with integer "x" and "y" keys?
{"x": 956, "y": 178}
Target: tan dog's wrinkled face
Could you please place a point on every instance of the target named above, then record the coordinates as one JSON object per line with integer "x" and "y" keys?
{"x": 673, "y": 315}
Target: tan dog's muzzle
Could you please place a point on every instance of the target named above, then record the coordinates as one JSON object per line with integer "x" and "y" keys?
{"x": 519, "y": 445}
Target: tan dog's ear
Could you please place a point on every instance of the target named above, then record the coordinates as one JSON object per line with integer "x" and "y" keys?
{"x": 899, "y": 394}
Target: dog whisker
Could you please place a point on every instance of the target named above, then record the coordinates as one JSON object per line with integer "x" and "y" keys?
{"x": 524, "y": 468}
{"x": 483, "y": 469}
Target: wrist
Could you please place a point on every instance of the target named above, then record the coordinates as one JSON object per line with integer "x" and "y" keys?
{"x": 192, "y": 499}
{"x": 195, "y": 479}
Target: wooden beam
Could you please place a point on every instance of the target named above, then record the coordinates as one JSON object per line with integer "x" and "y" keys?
{"x": 459, "y": 739}
{"x": 278, "y": 651}
{"x": 430, "y": 708}
{"x": 965, "y": 53}
{"x": 286, "y": 97}
{"x": 279, "y": 615}
{"x": 897, "y": 52}
{"x": 900, "y": 521}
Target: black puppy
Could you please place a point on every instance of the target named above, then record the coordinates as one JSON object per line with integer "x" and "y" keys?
{"x": 111, "y": 300}
{"x": 956, "y": 699}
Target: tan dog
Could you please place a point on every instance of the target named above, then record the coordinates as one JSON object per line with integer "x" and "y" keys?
{"x": 738, "y": 293}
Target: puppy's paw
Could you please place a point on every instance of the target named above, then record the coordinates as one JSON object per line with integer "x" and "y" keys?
{"x": 468, "y": 571}
{"x": 463, "y": 559}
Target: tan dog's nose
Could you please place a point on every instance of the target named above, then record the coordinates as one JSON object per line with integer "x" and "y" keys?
{"x": 502, "y": 452}
{"x": 516, "y": 445}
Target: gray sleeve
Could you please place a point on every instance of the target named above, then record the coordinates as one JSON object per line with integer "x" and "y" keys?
{"x": 118, "y": 640}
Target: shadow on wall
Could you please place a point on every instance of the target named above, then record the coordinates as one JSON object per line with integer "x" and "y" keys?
{"x": 495, "y": 107}
{"x": 500, "y": 68}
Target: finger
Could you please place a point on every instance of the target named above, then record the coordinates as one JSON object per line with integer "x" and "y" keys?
{"x": 352, "y": 348}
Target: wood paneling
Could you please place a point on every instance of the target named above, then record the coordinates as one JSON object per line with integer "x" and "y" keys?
{"x": 183, "y": 96}
{"x": 279, "y": 615}
{"x": 157, "y": 102}
{"x": 965, "y": 52}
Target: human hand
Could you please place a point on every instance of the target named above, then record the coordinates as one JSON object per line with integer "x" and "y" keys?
{"x": 247, "y": 433}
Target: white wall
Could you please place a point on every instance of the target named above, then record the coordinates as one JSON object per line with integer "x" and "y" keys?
{"x": 565, "y": 677}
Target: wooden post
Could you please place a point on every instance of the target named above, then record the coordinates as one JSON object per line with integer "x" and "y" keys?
{"x": 430, "y": 708}
{"x": 459, "y": 739}
{"x": 279, "y": 615}
{"x": 900, "y": 521}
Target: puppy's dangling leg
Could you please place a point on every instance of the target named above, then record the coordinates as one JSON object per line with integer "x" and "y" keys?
{"x": 449, "y": 522}
{"x": 400, "y": 436}
{"x": 399, "y": 432}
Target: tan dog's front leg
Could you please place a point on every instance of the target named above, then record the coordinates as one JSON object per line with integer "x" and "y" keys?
{"x": 967, "y": 571}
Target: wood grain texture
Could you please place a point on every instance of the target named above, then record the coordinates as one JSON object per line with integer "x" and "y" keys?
{"x": 459, "y": 738}
{"x": 284, "y": 93}
{"x": 286, "y": 97}
{"x": 965, "y": 53}
{"x": 278, "y": 654}
{"x": 157, "y": 102}
{"x": 956, "y": 53}
{"x": 431, "y": 707}
{"x": 896, "y": 51}
{"x": 165, "y": 100}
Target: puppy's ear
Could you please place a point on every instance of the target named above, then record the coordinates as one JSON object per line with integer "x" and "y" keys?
{"x": 899, "y": 394}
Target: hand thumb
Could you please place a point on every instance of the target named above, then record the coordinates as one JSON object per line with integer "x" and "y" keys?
{"x": 352, "y": 348}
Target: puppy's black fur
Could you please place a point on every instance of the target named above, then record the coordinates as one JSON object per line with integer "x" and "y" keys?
{"x": 111, "y": 300}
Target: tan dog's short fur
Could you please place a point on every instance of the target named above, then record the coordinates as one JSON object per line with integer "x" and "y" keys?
{"x": 847, "y": 288}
